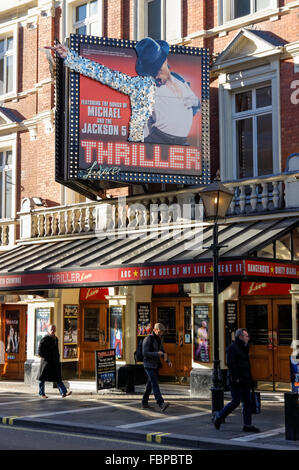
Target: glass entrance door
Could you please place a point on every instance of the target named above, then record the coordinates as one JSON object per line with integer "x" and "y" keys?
{"x": 94, "y": 335}
{"x": 269, "y": 323}
{"x": 176, "y": 316}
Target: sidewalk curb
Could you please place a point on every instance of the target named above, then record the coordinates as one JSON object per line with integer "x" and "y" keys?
{"x": 190, "y": 442}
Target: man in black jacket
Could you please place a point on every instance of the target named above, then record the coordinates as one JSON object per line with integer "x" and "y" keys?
{"x": 153, "y": 351}
{"x": 50, "y": 367}
{"x": 240, "y": 381}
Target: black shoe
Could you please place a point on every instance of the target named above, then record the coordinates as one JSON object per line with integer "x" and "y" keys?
{"x": 164, "y": 405}
{"x": 250, "y": 429}
{"x": 217, "y": 421}
{"x": 145, "y": 405}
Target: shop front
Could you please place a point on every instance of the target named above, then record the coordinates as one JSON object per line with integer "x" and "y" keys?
{"x": 102, "y": 304}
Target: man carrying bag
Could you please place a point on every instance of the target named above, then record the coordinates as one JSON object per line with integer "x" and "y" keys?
{"x": 241, "y": 383}
{"x": 153, "y": 351}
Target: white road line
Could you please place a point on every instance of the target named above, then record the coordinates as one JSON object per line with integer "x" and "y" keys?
{"x": 252, "y": 437}
{"x": 162, "y": 420}
{"x": 78, "y": 410}
{"x": 19, "y": 402}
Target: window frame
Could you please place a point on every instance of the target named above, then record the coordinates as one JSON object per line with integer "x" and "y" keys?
{"x": 5, "y": 33}
{"x": 141, "y": 20}
{"x": 226, "y": 10}
{"x": 238, "y": 81}
{"x": 253, "y": 114}
{"x": 69, "y": 18}
{"x": 6, "y": 145}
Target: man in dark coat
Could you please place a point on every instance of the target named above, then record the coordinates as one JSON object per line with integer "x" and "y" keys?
{"x": 50, "y": 368}
{"x": 241, "y": 382}
{"x": 153, "y": 350}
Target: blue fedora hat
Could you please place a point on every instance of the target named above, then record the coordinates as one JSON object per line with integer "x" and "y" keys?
{"x": 151, "y": 56}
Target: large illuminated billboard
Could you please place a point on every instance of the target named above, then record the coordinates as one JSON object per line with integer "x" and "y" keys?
{"x": 138, "y": 112}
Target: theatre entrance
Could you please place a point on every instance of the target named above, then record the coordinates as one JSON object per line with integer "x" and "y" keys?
{"x": 14, "y": 338}
{"x": 176, "y": 316}
{"x": 94, "y": 334}
{"x": 269, "y": 322}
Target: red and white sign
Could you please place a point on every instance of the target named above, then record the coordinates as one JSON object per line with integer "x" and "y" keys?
{"x": 264, "y": 288}
{"x": 137, "y": 274}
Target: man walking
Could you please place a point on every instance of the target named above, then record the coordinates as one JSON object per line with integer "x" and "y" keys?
{"x": 240, "y": 381}
{"x": 50, "y": 368}
{"x": 153, "y": 350}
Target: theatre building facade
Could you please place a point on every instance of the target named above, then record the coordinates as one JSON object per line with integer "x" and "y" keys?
{"x": 106, "y": 268}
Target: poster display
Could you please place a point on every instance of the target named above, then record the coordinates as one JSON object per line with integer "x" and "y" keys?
{"x": 12, "y": 331}
{"x": 144, "y": 326}
{"x": 105, "y": 369}
{"x": 43, "y": 319}
{"x": 128, "y": 125}
{"x": 116, "y": 330}
{"x": 231, "y": 320}
{"x": 70, "y": 331}
{"x": 201, "y": 333}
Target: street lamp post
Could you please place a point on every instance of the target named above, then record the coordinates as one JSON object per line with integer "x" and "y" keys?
{"x": 216, "y": 199}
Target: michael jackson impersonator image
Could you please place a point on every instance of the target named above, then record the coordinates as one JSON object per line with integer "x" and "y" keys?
{"x": 162, "y": 102}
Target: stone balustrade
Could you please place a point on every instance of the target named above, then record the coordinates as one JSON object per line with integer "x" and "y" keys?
{"x": 148, "y": 211}
{"x": 8, "y": 234}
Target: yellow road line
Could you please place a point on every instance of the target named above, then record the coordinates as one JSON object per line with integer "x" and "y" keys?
{"x": 9, "y": 420}
{"x": 158, "y": 436}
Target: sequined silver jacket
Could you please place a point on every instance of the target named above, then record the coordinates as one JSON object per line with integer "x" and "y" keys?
{"x": 141, "y": 90}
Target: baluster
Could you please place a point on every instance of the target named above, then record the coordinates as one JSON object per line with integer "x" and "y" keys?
{"x": 231, "y": 209}
{"x": 154, "y": 213}
{"x": 75, "y": 218}
{"x": 34, "y": 225}
{"x": 276, "y": 194}
{"x": 55, "y": 223}
{"x": 132, "y": 216}
{"x": 265, "y": 196}
{"x": 242, "y": 199}
{"x": 253, "y": 197}
{"x": 81, "y": 222}
{"x": 69, "y": 222}
{"x": 90, "y": 219}
{"x": 41, "y": 225}
{"x": 5, "y": 238}
{"x": 61, "y": 223}
{"x": 164, "y": 212}
{"x": 48, "y": 224}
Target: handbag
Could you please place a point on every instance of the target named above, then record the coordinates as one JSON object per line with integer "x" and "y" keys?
{"x": 255, "y": 399}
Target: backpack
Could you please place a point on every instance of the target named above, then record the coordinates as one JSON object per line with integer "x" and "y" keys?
{"x": 138, "y": 354}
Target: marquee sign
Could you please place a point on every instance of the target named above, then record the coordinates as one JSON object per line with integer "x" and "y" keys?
{"x": 127, "y": 124}
{"x": 142, "y": 274}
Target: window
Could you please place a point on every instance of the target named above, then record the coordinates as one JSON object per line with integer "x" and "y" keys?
{"x": 159, "y": 19}
{"x": 6, "y": 65}
{"x": 86, "y": 18}
{"x": 6, "y": 193}
{"x": 233, "y": 9}
{"x": 252, "y": 118}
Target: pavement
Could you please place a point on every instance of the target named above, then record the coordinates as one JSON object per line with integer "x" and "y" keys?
{"x": 186, "y": 424}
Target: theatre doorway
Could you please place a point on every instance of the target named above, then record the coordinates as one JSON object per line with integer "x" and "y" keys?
{"x": 175, "y": 314}
{"x": 14, "y": 341}
{"x": 269, "y": 322}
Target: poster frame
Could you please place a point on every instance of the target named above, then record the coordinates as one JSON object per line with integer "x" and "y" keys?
{"x": 67, "y": 126}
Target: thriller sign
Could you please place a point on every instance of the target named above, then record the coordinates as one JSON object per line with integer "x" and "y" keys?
{"x": 138, "y": 112}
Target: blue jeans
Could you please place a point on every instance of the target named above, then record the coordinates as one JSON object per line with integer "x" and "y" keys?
{"x": 152, "y": 385}
{"x": 240, "y": 393}
{"x": 60, "y": 385}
